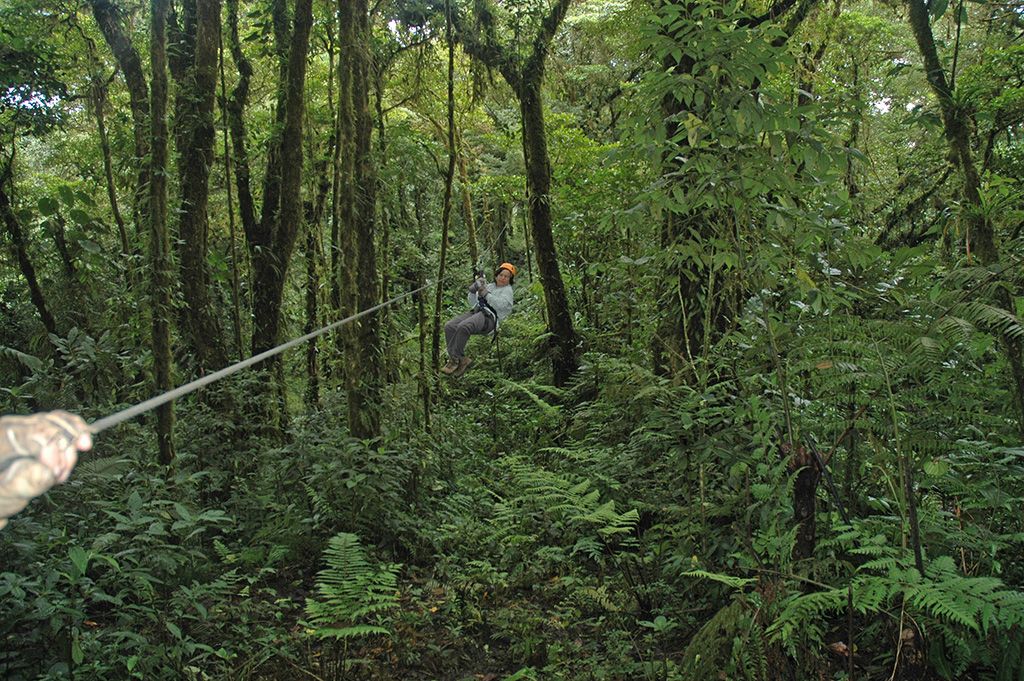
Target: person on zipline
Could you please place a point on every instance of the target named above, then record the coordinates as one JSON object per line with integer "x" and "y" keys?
{"x": 491, "y": 304}
{"x": 37, "y": 452}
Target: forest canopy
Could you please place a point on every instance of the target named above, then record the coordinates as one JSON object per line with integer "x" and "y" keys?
{"x": 757, "y": 411}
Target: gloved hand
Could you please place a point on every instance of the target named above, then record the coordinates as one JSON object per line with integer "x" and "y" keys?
{"x": 37, "y": 452}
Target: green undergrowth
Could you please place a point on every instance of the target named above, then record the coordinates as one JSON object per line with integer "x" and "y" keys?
{"x": 624, "y": 526}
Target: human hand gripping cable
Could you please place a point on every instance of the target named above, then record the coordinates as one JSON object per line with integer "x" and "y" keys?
{"x": 37, "y": 452}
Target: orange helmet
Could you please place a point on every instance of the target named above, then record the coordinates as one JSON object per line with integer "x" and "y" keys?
{"x": 507, "y": 266}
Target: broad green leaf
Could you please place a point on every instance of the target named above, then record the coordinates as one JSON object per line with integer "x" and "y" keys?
{"x": 48, "y": 206}
{"x": 936, "y": 8}
{"x": 79, "y": 559}
{"x": 67, "y": 195}
{"x": 80, "y": 217}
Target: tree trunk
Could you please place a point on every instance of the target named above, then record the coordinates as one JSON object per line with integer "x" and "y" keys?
{"x": 21, "y": 251}
{"x": 538, "y": 180}
{"x": 314, "y": 217}
{"x": 805, "y": 490}
{"x": 693, "y": 310}
{"x": 851, "y": 142}
{"x": 60, "y": 240}
{"x": 680, "y": 325}
{"x": 367, "y": 425}
{"x": 194, "y": 136}
{"x": 446, "y": 211}
{"x": 955, "y": 124}
{"x": 130, "y": 64}
{"x": 421, "y": 307}
{"x": 159, "y": 240}
{"x": 345, "y": 256}
{"x": 236, "y": 105}
{"x": 385, "y": 212}
{"x": 355, "y": 220}
{"x": 312, "y": 320}
{"x": 467, "y": 211}
{"x": 99, "y": 103}
{"x": 236, "y": 304}
{"x": 272, "y": 241}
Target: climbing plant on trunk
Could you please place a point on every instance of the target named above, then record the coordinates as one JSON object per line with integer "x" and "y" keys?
{"x": 710, "y": 102}
{"x": 355, "y": 220}
{"x": 159, "y": 240}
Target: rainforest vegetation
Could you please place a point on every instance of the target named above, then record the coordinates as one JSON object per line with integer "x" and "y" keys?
{"x": 757, "y": 414}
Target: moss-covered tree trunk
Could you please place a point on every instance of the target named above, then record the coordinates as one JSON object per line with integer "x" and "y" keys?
{"x": 159, "y": 239}
{"x": 235, "y": 106}
{"x": 446, "y": 210}
{"x": 980, "y": 234}
{"x": 194, "y": 67}
{"x": 345, "y": 254}
{"x": 538, "y": 185}
{"x": 368, "y": 424}
{"x": 271, "y": 240}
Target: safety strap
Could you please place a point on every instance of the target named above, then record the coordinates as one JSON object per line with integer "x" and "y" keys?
{"x": 153, "y": 402}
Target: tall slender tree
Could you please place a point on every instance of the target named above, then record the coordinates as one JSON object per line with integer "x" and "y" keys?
{"x": 355, "y": 218}
{"x": 194, "y": 66}
{"x": 449, "y": 176}
{"x": 159, "y": 239}
{"x": 111, "y": 23}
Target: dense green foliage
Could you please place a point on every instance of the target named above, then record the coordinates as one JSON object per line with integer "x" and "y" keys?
{"x": 792, "y": 448}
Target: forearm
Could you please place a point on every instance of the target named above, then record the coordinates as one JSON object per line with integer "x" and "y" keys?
{"x": 37, "y": 452}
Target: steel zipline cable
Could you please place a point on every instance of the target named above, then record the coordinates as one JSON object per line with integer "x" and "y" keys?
{"x": 131, "y": 412}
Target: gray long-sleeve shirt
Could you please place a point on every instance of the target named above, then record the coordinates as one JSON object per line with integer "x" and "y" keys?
{"x": 498, "y": 297}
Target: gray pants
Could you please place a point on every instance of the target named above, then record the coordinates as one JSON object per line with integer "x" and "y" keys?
{"x": 457, "y": 332}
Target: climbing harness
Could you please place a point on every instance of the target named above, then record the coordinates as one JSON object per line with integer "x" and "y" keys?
{"x": 484, "y": 307}
{"x": 153, "y": 402}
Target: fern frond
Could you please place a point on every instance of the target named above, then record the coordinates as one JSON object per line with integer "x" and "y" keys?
{"x": 107, "y": 466}
{"x": 320, "y": 505}
{"x": 728, "y": 580}
{"x": 350, "y": 589}
{"x": 990, "y": 317}
{"x": 355, "y": 631}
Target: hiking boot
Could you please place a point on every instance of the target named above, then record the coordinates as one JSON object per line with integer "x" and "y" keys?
{"x": 463, "y": 365}
{"x": 450, "y": 367}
